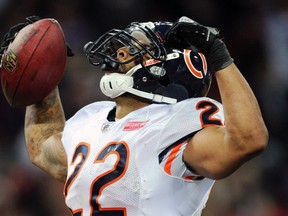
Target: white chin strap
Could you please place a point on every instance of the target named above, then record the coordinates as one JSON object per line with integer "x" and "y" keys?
{"x": 115, "y": 84}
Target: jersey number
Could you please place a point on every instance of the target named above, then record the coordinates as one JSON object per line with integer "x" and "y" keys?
{"x": 209, "y": 110}
{"x": 121, "y": 150}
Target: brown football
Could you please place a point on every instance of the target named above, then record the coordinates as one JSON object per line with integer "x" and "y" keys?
{"x": 34, "y": 63}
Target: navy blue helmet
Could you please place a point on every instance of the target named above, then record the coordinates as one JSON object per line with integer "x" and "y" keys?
{"x": 170, "y": 75}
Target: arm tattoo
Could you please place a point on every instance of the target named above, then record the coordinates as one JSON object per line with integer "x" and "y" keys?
{"x": 44, "y": 123}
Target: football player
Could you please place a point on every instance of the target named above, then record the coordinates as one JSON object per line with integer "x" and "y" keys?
{"x": 159, "y": 145}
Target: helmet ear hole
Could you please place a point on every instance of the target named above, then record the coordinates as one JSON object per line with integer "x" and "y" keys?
{"x": 164, "y": 80}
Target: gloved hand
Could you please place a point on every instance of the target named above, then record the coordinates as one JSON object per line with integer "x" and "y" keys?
{"x": 186, "y": 33}
{"x": 11, "y": 34}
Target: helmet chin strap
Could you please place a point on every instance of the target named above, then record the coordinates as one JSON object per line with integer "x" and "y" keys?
{"x": 116, "y": 84}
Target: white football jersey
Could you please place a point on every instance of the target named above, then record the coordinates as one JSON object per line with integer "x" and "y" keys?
{"x": 133, "y": 166}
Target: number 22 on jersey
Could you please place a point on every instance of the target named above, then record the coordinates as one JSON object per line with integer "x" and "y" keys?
{"x": 121, "y": 150}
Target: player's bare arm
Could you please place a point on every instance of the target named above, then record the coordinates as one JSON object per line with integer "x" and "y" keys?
{"x": 218, "y": 151}
{"x": 44, "y": 123}
{"x": 45, "y": 120}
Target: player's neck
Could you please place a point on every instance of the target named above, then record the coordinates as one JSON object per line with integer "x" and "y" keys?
{"x": 125, "y": 105}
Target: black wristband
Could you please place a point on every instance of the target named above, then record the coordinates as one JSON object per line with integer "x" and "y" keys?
{"x": 218, "y": 56}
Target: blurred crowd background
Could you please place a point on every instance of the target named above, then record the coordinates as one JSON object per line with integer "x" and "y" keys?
{"x": 256, "y": 33}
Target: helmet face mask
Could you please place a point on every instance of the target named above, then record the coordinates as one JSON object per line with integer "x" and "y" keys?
{"x": 169, "y": 76}
{"x": 104, "y": 50}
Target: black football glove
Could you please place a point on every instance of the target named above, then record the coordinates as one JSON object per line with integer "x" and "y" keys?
{"x": 186, "y": 33}
{"x": 11, "y": 34}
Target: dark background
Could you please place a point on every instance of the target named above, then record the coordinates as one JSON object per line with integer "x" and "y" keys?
{"x": 256, "y": 33}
